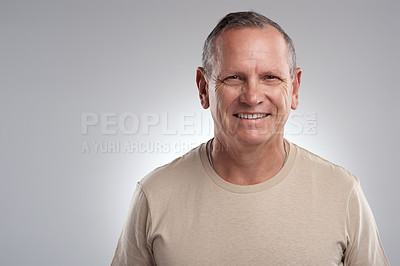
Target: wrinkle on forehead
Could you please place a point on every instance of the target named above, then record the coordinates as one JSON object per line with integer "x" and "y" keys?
{"x": 270, "y": 45}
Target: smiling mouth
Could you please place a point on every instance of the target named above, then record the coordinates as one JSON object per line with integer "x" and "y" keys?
{"x": 251, "y": 116}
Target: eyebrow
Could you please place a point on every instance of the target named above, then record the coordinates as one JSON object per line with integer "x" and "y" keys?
{"x": 272, "y": 72}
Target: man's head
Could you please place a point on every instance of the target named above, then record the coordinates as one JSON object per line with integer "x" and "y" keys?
{"x": 242, "y": 20}
{"x": 249, "y": 79}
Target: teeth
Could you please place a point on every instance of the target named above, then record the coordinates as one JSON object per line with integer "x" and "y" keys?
{"x": 250, "y": 116}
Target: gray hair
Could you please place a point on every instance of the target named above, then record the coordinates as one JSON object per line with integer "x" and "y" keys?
{"x": 242, "y": 20}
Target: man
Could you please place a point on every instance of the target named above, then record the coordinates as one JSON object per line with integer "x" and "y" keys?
{"x": 248, "y": 196}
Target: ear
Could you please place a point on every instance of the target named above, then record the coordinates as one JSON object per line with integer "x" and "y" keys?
{"x": 296, "y": 85}
{"x": 202, "y": 86}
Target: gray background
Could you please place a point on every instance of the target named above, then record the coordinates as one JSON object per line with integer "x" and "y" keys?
{"x": 62, "y": 59}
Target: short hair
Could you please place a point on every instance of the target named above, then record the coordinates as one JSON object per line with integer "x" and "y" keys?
{"x": 239, "y": 20}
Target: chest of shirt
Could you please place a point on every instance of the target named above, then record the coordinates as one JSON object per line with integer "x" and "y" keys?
{"x": 249, "y": 230}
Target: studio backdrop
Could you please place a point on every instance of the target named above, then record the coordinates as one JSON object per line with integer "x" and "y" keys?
{"x": 96, "y": 94}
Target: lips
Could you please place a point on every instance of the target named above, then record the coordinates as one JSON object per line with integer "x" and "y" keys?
{"x": 251, "y": 116}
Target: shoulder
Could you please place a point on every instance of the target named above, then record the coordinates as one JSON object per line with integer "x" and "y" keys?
{"x": 323, "y": 171}
{"x": 167, "y": 178}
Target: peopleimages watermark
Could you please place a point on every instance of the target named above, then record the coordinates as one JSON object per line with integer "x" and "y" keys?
{"x": 163, "y": 124}
{"x": 113, "y": 123}
{"x": 138, "y": 147}
{"x": 131, "y": 123}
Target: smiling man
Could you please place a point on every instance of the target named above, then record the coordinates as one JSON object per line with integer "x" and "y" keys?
{"x": 250, "y": 91}
{"x": 248, "y": 196}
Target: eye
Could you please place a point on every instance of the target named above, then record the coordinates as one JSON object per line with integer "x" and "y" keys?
{"x": 271, "y": 79}
{"x": 233, "y": 80}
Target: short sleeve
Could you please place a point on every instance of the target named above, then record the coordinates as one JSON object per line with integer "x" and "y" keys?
{"x": 364, "y": 246}
{"x": 133, "y": 246}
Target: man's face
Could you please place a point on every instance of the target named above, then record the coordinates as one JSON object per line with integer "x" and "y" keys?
{"x": 251, "y": 89}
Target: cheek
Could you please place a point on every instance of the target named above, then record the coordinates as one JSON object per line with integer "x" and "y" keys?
{"x": 223, "y": 100}
{"x": 216, "y": 103}
{"x": 282, "y": 97}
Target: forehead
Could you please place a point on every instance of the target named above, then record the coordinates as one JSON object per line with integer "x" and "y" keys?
{"x": 264, "y": 45}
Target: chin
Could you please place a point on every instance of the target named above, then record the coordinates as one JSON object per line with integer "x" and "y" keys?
{"x": 253, "y": 138}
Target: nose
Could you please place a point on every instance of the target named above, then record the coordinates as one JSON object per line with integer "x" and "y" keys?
{"x": 251, "y": 94}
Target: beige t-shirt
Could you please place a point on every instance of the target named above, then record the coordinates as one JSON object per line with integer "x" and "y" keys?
{"x": 311, "y": 213}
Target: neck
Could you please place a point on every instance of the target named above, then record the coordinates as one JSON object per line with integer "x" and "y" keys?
{"x": 248, "y": 165}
